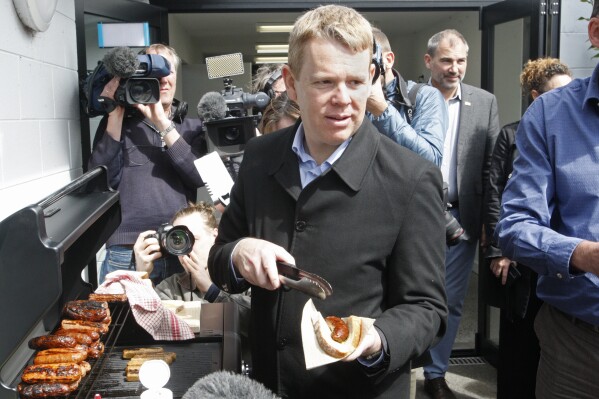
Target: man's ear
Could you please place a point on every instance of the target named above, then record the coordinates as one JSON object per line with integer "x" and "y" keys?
{"x": 389, "y": 59}
{"x": 534, "y": 94}
{"x": 372, "y": 71}
{"x": 593, "y": 29}
{"x": 289, "y": 80}
{"x": 427, "y": 60}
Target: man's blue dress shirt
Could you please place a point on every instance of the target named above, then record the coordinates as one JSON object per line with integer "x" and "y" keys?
{"x": 551, "y": 202}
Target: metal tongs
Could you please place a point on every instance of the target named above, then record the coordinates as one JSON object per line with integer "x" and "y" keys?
{"x": 308, "y": 283}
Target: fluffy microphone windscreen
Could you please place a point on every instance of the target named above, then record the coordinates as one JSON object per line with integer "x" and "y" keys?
{"x": 121, "y": 62}
{"x": 212, "y": 106}
{"x": 228, "y": 385}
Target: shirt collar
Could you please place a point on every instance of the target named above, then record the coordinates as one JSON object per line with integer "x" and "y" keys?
{"x": 304, "y": 156}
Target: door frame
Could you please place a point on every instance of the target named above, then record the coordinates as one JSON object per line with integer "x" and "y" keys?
{"x": 542, "y": 40}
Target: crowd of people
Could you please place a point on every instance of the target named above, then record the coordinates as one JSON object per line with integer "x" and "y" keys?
{"x": 346, "y": 180}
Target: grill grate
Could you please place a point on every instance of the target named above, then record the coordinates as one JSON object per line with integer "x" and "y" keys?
{"x": 107, "y": 377}
{"x": 467, "y": 361}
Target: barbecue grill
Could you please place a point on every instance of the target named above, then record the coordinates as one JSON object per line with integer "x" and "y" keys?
{"x": 44, "y": 249}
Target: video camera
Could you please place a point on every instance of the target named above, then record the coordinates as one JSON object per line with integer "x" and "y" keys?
{"x": 139, "y": 83}
{"x": 174, "y": 240}
{"x": 227, "y": 121}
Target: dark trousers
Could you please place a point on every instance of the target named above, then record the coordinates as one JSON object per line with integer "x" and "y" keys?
{"x": 519, "y": 353}
{"x": 569, "y": 356}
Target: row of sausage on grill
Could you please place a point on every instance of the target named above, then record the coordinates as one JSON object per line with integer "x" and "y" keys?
{"x": 61, "y": 358}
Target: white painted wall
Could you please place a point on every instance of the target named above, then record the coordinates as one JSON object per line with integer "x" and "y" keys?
{"x": 39, "y": 111}
{"x": 574, "y": 41}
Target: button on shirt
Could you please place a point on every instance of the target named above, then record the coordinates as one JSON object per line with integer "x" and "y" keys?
{"x": 551, "y": 203}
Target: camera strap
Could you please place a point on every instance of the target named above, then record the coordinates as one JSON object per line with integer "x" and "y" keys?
{"x": 404, "y": 98}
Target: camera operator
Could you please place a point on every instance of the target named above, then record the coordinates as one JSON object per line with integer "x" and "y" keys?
{"x": 149, "y": 151}
{"x": 422, "y": 132}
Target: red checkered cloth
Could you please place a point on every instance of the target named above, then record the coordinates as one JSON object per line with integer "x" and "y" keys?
{"x": 147, "y": 308}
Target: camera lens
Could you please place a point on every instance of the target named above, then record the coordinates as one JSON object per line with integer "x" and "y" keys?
{"x": 179, "y": 241}
{"x": 141, "y": 91}
{"x": 454, "y": 232}
{"x": 232, "y": 134}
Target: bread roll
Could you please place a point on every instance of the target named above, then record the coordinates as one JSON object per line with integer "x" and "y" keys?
{"x": 328, "y": 344}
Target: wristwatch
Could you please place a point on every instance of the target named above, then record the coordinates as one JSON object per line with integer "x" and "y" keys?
{"x": 164, "y": 132}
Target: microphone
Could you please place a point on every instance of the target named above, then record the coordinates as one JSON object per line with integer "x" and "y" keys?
{"x": 212, "y": 106}
{"x": 227, "y": 385}
{"x": 121, "y": 62}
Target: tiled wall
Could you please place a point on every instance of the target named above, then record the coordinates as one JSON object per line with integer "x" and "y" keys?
{"x": 39, "y": 111}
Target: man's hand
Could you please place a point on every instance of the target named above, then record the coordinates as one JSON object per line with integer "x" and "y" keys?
{"x": 586, "y": 257}
{"x": 376, "y": 103}
{"x": 500, "y": 268}
{"x": 116, "y": 114}
{"x": 371, "y": 343}
{"x": 146, "y": 251}
{"x": 198, "y": 271}
{"x": 256, "y": 260}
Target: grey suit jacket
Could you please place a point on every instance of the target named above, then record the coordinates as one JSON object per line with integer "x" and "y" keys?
{"x": 477, "y": 131}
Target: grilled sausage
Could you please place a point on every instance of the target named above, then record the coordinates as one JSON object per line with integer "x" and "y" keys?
{"x": 60, "y": 355}
{"x": 339, "y": 329}
{"x": 95, "y": 350}
{"x": 83, "y": 325}
{"x": 80, "y": 337}
{"x": 44, "y": 390}
{"x": 86, "y": 310}
{"x": 52, "y": 341}
{"x": 85, "y": 368}
{"x": 60, "y": 372}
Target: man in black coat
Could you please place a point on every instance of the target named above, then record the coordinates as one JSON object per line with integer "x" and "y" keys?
{"x": 333, "y": 196}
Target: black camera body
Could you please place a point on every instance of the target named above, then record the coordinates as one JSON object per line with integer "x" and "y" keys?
{"x": 142, "y": 87}
{"x": 229, "y": 135}
{"x": 454, "y": 232}
{"x": 174, "y": 240}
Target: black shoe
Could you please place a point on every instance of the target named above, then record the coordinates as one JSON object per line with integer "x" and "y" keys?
{"x": 437, "y": 388}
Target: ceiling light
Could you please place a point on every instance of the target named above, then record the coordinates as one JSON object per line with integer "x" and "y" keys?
{"x": 272, "y": 48}
{"x": 273, "y": 28}
{"x": 270, "y": 60}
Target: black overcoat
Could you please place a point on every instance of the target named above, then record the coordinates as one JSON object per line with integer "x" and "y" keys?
{"x": 372, "y": 225}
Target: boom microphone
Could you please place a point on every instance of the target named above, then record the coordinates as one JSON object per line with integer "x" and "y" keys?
{"x": 212, "y": 106}
{"x": 227, "y": 385}
{"x": 121, "y": 62}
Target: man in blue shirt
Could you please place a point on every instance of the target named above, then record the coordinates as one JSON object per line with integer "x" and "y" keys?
{"x": 549, "y": 222}
{"x": 422, "y": 132}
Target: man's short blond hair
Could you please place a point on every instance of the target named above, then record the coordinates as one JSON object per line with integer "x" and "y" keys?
{"x": 160, "y": 48}
{"x": 333, "y": 22}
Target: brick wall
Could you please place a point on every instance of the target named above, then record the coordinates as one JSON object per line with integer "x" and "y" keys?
{"x": 39, "y": 111}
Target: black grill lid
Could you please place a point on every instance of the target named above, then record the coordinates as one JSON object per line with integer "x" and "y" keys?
{"x": 43, "y": 249}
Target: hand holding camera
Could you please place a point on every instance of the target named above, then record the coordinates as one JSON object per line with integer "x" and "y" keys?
{"x": 166, "y": 240}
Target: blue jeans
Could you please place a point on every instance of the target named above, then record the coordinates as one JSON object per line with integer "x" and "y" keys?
{"x": 458, "y": 268}
{"x": 121, "y": 258}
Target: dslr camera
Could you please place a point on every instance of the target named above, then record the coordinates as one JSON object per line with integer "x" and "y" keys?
{"x": 454, "y": 232}
{"x": 174, "y": 240}
{"x": 139, "y": 83}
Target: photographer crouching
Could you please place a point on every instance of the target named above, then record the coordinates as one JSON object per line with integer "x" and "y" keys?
{"x": 149, "y": 148}
{"x": 187, "y": 239}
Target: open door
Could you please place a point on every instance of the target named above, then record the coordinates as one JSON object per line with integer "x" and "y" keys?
{"x": 514, "y": 31}
{"x": 87, "y": 14}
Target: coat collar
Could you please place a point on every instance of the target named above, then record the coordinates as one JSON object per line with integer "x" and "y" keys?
{"x": 351, "y": 167}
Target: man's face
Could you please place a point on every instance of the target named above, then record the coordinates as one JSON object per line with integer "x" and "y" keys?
{"x": 168, "y": 84}
{"x": 204, "y": 237}
{"x": 331, "y": 90}
{"x": 447, "y": 66}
